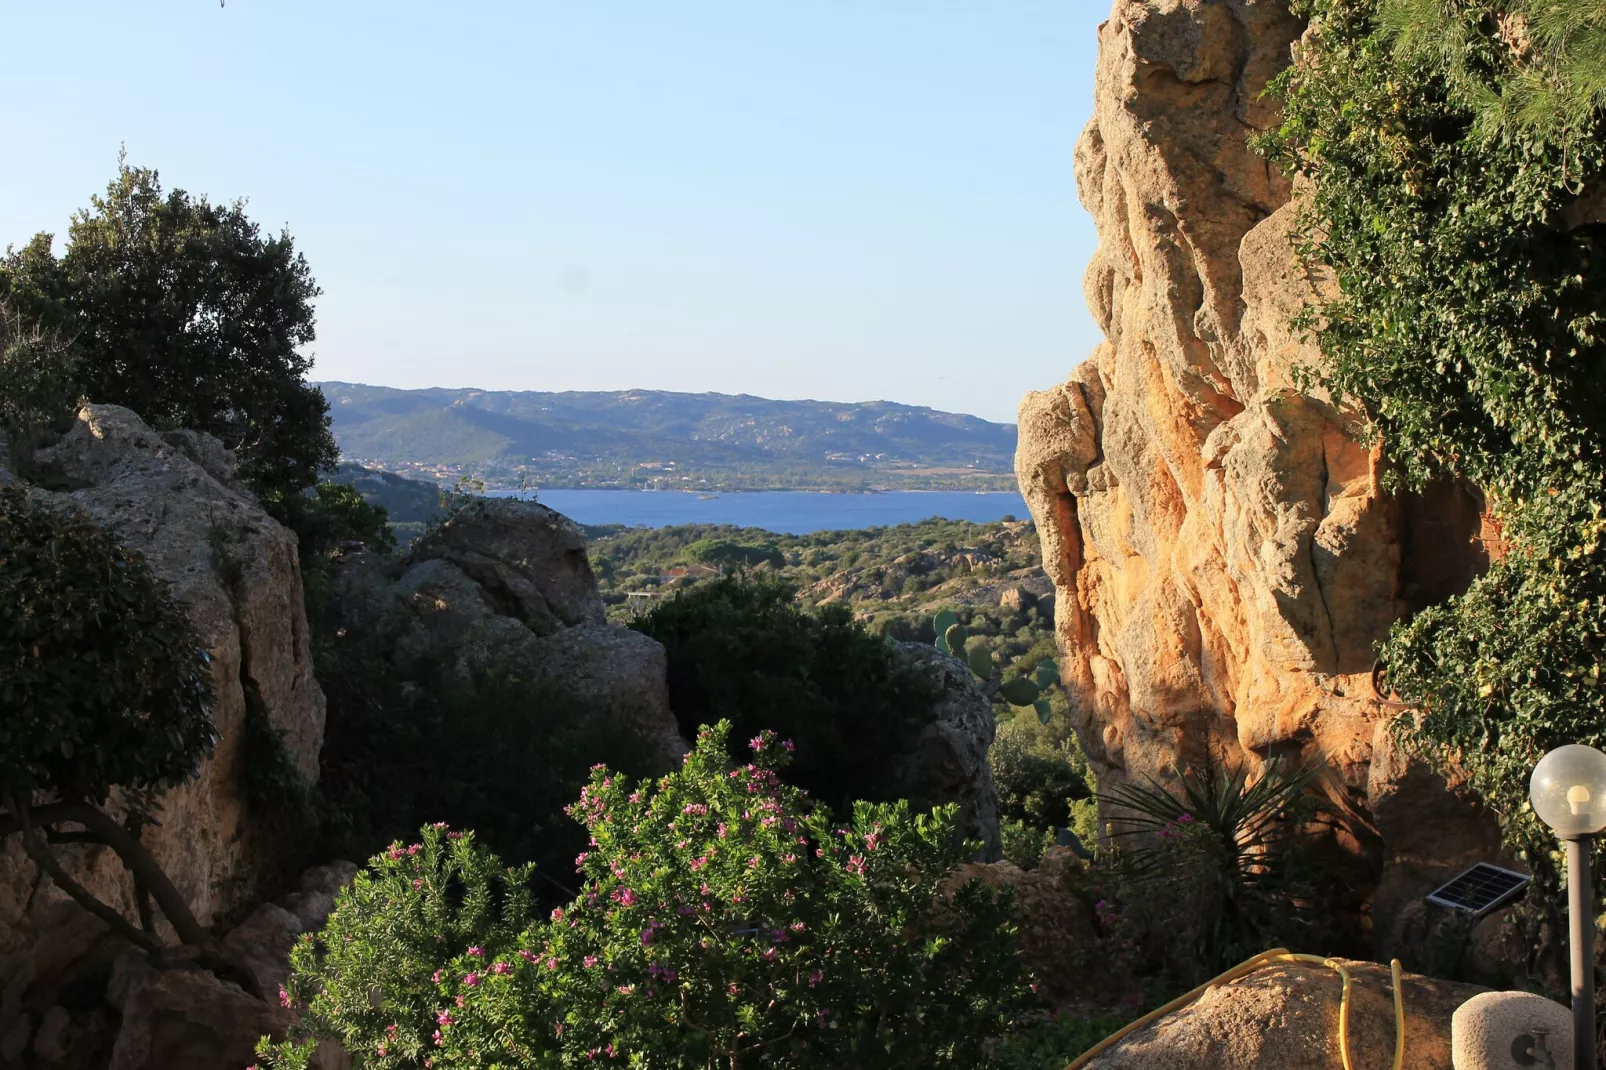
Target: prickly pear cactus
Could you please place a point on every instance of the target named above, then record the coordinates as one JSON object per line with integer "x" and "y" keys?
{"x": 1020, "y": 691}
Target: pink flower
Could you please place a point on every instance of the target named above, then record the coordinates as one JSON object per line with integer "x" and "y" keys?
{"x": 436, "y": 977}
{"x": 579, "y": 860}
{"x": 589, "y": 961}
{"x": 856, "y": 865}
{"x": 439, "y": 1040}
{"x": 730, "y": 990}
{"x": 444, "y": 1018}
{"x": 814, "y": 978}
{"x": 769, "y": 954}
{"x": 752, "y": 863}
{"x": 526, "y": 955}
{"x": 418, "y": 885}
{"x": 557, "y": 913}
{"x": 501, "y": 967}
{"x": 477, "y": 952}
{"x": 798, "y": 926}
{"x": 471, "y": 980}
{"x": 284, "y": 996}
{"x": 415, "y": 848}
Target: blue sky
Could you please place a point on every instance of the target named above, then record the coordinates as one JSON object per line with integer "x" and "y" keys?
{"x": 838, "y": 201}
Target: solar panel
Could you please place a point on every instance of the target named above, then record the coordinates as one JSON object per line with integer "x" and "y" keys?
{"x": 1480, "y": 889}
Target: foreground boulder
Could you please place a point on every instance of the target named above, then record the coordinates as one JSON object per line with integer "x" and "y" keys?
{"x": 505, "y": 587}
{"x": 1286, "y": 1016}
{"x": 174, "y": 498}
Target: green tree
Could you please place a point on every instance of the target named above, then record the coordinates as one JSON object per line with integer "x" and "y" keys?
{"x": 725, "y": 921}
{"x": 38, "y": 385}
{"x": 185, "y": 312}
{"x": 742, "y": 649}
{"x": 103, "y": 685}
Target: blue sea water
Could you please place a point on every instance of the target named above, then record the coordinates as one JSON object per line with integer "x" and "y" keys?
{"x": 788, "y": 512}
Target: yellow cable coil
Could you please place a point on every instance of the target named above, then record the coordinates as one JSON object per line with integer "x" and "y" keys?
{"x": 1249, "y": 966}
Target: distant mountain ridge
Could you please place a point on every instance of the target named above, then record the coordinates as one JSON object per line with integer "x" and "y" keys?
{"x": 581, "y": 438}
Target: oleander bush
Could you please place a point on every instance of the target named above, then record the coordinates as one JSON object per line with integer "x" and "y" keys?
{"x": 725, "y": 920}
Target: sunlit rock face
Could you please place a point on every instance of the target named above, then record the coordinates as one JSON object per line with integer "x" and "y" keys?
{"x": 1224, "y": 556}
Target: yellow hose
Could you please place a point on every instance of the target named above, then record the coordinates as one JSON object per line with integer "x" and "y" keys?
{"x": 1249, "y": 966}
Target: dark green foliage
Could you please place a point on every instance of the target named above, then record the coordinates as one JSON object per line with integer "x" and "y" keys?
{"x": 500, "y": 753}
{"x": 1472, "y": 280}
{"x": 103, "y": 681}
{"x": 1035, "y": 786}
{"x": 742, "y": 649}
{"x": 1226, "y": 864}
{"x": 38, "y": 385}
{"x": 183, "y": 311}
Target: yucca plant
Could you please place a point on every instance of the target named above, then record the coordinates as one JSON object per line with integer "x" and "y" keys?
{"x": 1224, "y": 858}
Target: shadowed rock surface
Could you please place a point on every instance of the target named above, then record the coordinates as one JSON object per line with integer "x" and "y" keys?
{"x": 948, "y": 763}
{"x": 174, "y": 498}
{"x": 504, "y": 586}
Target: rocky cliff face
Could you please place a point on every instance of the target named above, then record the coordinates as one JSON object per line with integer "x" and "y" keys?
{"x": 1223, "y": 554}
{"x": 174, "y": 498}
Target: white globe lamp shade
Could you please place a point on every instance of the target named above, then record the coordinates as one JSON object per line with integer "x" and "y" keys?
{"x": 1568, "y": 790}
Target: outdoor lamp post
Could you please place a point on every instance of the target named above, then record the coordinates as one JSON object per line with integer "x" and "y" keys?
{"x": 1568, "y": 790}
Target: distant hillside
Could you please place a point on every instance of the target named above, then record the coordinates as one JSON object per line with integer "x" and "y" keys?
{"x": 653, "y": 437}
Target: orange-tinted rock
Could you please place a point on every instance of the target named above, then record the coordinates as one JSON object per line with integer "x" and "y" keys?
{"x": 1224, "y": 555}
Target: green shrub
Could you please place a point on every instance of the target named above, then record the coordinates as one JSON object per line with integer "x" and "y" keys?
{"x": 370, "y": 978}
{"x": 1036, "y": 785}
{"x": 741, "y": 649}
{"x": 725, "y": 920}
{"x": 724, "y": 553}
{"x": 1024, "y": 844}
{"x": 499, "y": 752}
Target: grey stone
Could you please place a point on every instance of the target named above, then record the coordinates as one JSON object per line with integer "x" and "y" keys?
{"x": 948, "y": 762}
{"x": 1487, "y": 1030}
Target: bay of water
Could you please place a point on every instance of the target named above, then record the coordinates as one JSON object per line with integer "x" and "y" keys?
{"x": 789, "y": 512}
